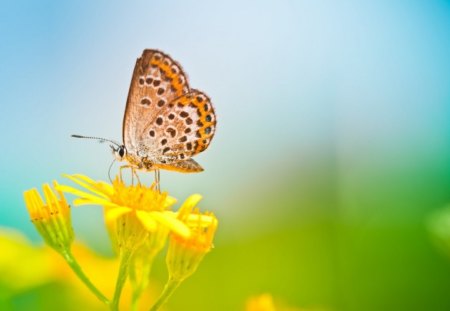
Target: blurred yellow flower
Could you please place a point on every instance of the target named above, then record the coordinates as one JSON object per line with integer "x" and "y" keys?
{"x": 265, "y": 302}
{"x": 99, "y": 268}
{"x": 22, "y": 266}
{"x": 262, "y": 302}
{"x": 51, "y": 218}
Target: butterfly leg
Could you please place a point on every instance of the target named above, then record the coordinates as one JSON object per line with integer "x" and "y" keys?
{"x": 134, "y": 173}
{"x": 132, "y": 168}
{"x": 120, "y": 172}
{"x": 157, "y": 179}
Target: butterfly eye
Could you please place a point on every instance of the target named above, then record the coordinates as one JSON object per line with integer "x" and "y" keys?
{"x": 121, "y": 151}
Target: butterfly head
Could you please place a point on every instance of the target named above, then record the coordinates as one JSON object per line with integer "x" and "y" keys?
{"x": 119, "y": 152}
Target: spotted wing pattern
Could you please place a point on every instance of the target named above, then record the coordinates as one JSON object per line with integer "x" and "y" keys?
{"x": 156, "y": 81}
{"x": 184, "y": 128}
{"x": 165, "y": 121}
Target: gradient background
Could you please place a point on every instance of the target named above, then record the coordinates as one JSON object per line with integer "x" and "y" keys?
{"x": 332, "y": 147}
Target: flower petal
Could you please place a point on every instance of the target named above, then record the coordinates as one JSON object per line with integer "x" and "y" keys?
{"x": 199, "y": 220}
{"x": 174, "y": 224}
{"x": 188, "y": 205}
{"x": 147, "y": 220}
{"x": 115, "y": 212}
{"x": 50, "y": 197}
{"x": 60, "y": 194}
{"x": 30, "y": 202}
{"x": 74, "y": 191}
{"x": 105, "y": 187}
{"x": 82, "y": 177}
{"x": 83, "y": 201}
{"x": 91, "y": 187}
{"x": 169, "y": 202}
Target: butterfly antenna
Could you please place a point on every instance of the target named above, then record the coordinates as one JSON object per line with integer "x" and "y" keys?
{"x": 101, "y": 140}
{"x": 109, "y": 170}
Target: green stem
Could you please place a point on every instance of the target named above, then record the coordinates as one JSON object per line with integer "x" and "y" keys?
{"x": 72, "y": 262}
{"x": 121, "y": 278}
{"x": 135, "y": 302}
{"x": 169, "y": 289}
{"x": 140, "y": 284}
{"x": 135, "y": 298}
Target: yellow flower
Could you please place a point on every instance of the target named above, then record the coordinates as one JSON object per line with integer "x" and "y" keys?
{"x": 22, "y": 265}
{"x": 262, "y": 302}
{"x": 185, "y": 253}
{"x": 51, "y": 218}
{"x": 131, "y": 211}
{"x": 265, "y": 302}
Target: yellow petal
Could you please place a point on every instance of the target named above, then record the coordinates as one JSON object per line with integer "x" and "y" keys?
{"x": 103, "y": 186}
{"x": 106, "y": 188}
{"x": 199, "y": 220}
{"x": 83, "y": 201}
{"x": 82, "y": 177}
{"x": 77, "y": 192}
{"x": 50, "y": 197}
{"x": 90, "y": 187}
{"x": 34, "y": 203}
{"x": 97, "y": 201}
{"x": 61, "y": 195}
{"x": 169, "y": 202}
{"x": 174, "y": 224}
{"x": 147, "y": 220}
{"x": 36, "y": 198}
{"x": 114, "y": 213}
{"x": 188, "y": 205}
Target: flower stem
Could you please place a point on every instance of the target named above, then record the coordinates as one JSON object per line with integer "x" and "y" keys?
{"x": 140, "y": 284}
{"x": 135, "y": 298}
{"x": 169, "y": 289}
{"x": 72, "y": 262}
{"x": 121, "y": 278}
{"x": 137, "y": 292}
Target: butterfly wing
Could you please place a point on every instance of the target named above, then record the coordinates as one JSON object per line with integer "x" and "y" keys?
{"x": 157, "y": 80}
{"x": 188, "y": 166}
{"x": 165, "y": 121}
{"x": 184, "y": 128}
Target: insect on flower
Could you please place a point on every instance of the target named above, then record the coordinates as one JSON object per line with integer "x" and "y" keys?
{"x": 166, "y": 122}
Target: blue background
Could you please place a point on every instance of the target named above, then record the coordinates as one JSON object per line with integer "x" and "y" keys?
{"x": 332, "y": 145}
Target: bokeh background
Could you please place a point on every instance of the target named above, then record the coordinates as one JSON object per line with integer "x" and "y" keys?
{"x": 332, "y": 147}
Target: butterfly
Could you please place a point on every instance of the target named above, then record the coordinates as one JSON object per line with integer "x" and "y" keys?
{"x": 166, "y": 122}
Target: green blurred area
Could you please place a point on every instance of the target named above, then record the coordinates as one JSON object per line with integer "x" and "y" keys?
{"x": 314, "y": 237}
{"x": 52, "y": 296}
{"x": 359, "y": 245}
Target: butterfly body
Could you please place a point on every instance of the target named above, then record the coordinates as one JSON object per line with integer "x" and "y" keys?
{"x": 165, "y": 121}
{"x": 187, "y": 166}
